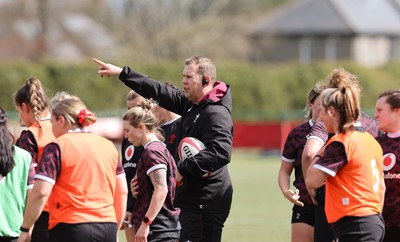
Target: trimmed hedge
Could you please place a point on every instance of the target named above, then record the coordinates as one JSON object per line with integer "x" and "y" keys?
{"x": 260, "y": 91}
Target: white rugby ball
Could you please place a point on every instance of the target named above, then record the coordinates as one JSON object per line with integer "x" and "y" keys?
{"x": 189, "y": 147}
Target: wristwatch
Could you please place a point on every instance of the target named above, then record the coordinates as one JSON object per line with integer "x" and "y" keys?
{"x": 146, "y": 220}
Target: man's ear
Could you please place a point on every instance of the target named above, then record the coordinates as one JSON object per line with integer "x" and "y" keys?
{"x": 205, "y": 81}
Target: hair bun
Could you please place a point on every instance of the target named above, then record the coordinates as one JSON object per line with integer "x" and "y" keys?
{"x": 147, "y": 104}
{"x": 86, "y": 117}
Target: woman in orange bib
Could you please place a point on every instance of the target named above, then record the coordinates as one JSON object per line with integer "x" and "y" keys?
{"x": 350, "y": 164}
{"x": 32, "y": 105}
{"x": 82, "y": 178}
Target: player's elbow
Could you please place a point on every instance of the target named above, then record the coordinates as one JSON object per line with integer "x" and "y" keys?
{"x": 307, "y": 156}
{"x": 160, "y": 192}
{"x": 311, "y": 148}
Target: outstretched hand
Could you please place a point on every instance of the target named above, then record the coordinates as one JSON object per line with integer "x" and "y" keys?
{"x": 294, "y": 197}
{"x": 107, "y": 69}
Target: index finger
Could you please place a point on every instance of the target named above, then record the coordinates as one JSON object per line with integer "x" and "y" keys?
{"x": 99, "y": 62}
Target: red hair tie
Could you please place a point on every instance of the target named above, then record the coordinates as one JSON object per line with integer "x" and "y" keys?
{"x": 83, "y": 115}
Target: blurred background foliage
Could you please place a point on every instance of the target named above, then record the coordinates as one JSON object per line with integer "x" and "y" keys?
{"x": 55, "y": 40}
{"x": 260, "y": 91}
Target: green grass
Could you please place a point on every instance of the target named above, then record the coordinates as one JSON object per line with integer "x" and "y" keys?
{"x": 259, "y": 211}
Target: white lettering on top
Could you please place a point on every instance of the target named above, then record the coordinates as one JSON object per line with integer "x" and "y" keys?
{"x": 391, "y": 176}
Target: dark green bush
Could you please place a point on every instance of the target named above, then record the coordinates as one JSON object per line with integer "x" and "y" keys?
{"x": 260, "y": 91}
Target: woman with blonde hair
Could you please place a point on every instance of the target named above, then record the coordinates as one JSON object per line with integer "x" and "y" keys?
{"x": 350, "y": 166}
{"x": 318, "y": 137}
{"x": 130, "y": 158}
{"x": 82, "y": 178}
{"x": 155, "y": 217}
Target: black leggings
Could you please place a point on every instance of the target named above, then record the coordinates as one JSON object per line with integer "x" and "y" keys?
{"x": 40, "y": 232}
{"x": 8, "y": 239}
{"x": 84, "y": 232}
{"x": 202, "y": 226}
{"x": 365, "y": 228}
{"x": 322, "y": 230}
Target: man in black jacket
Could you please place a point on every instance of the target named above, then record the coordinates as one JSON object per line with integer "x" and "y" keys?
{"x": 205, "y": 105}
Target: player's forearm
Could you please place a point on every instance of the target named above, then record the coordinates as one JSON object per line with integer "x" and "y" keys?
{"x": 36, "y": 201}
{"x": 311, "y": 149}
{"x": 120, "y": 200}
{"x": 156, "y": 202}
{"x": 315, "y": 178}
{"x": 283, "y": 179}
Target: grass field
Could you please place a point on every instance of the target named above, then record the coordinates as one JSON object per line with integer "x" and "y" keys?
{"x": 259, "y": 211}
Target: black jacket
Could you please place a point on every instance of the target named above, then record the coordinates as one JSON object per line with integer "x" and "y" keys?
{"x": 209, "y": 121}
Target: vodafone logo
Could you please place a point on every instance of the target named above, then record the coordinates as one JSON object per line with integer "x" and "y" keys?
{"x": 129, "y": 152}
{"x": 389, "y": 160}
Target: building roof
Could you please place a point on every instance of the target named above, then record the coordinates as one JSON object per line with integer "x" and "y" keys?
{"x": 67, "y": 35}
{"x": 324, "y": 17}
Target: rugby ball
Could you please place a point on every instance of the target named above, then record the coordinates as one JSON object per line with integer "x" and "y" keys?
{"x": 189, "y": 147}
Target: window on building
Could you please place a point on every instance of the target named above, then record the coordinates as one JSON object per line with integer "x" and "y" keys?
{"x": 331, "y": 49}
{"x": 305, "y": 50}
